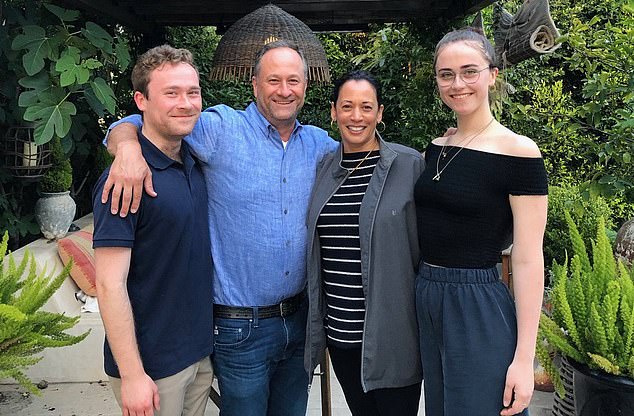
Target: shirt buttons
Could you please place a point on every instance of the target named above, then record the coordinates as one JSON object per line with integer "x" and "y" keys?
{"x": 287, "y": 273}
{"x": 288, "y": 243}
{"x": 285, "y": 211}
{"x": 284, "y": 180}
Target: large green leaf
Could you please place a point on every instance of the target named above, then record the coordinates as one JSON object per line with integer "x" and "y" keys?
{"x": 63, "y": 14}
{"x": 31, "y": 34}
{"x": 33, "y": 60}
{"x": 39, "y": 88}
{"x": 70, "y": 71}
{"x": 98, "y": 36}
{"x": 28, "y": 98}
{"x": 50, "y": 120}
{"x": 104, "y": 94}
{"x": 94, "y": 103}
{"x": 39, "y": 81}
{"x": 122, "y": 52}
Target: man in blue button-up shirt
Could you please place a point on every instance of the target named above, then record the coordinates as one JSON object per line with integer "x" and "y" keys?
{"x": 259, "y": 166}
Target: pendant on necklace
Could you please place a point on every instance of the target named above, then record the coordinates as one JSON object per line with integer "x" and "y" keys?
{"x": 436, "y": 177}
{"x": 444, "y": 154}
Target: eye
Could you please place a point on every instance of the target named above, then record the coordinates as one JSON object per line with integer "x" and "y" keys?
{"x": 170, "y": 93}
{"x": 368, "y": 108}
{"x": 470, "y": 73}
{"x": 293, "y": 81}
{"x": 446, "y": 75}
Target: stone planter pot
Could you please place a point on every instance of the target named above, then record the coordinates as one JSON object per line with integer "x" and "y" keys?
{"x": 624, "y": 244}
{"x": 600, "y": 394}
{"x": 54, "y": 213}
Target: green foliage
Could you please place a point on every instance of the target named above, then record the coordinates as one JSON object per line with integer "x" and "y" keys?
{"x": 585, "y": 213}
{"x": 592, "y": 319}
{"x": 83, "y": 81}
{"x": 25, "y": 330}
{"x": 62, "y": 66}
{"x": 60, "y": 176}
{"x": 578, "y": 104}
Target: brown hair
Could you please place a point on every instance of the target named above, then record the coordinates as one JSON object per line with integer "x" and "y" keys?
{"x": 155, "y": 58}
{"x": 471, "y": 36}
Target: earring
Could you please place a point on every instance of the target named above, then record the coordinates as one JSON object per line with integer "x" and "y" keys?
{"x": 332, "y": 123}
{"x": 384, "y": 126}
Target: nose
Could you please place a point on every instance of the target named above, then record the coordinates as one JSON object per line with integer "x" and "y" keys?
{"x": 284, "y": 89}
{"x": 356, "y": 114}
{"x": 458, "y": 81}
{"x": 185, "y": 101}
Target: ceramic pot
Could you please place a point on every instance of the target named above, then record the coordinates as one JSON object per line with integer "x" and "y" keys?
{"x": 601, "y": 394}
{"x": 54, "y": 213}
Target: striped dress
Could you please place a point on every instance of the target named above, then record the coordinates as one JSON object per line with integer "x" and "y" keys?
{"x": 338, "y": 230}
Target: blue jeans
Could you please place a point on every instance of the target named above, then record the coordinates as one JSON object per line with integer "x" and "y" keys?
{"x": 260, "y": 365}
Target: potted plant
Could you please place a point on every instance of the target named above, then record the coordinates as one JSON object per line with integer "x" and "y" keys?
{"x": 27, "y": 330}
{"x": 55, "y": 210}
{"x": 592, "y": 326}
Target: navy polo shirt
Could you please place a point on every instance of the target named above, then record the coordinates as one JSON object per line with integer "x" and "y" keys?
{"x": 169, "y": 283}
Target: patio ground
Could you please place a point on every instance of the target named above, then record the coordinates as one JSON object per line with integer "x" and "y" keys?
{"x": 96, "y": 399}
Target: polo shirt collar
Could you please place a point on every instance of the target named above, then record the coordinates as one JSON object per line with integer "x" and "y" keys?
{"x": 254, "y": 115}
{"x": 159, "y": 160}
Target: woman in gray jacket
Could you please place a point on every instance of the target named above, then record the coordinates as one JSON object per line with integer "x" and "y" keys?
{"x": 362, "y": 259}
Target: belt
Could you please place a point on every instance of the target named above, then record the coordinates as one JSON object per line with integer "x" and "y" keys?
{"x": 284, "y": 308}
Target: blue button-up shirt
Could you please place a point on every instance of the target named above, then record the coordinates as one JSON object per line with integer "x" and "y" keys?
{"x": 258, "y": 199}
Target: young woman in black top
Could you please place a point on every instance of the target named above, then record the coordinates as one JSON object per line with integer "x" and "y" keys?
{"x": 482, "y": 187}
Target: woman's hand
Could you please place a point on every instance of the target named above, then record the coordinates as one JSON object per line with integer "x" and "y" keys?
{"x": 518, "y": 389}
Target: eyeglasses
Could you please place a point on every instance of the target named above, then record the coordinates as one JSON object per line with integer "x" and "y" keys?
{"x": 446, "y": 78}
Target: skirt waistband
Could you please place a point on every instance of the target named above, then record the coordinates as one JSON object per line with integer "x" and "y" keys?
{"x": 456, "y": 275}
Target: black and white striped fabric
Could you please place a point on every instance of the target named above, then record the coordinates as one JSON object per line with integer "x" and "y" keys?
{"x": 338, "y": 230}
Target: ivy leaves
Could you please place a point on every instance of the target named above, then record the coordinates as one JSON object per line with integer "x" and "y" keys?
{"x": 63, "y": 65}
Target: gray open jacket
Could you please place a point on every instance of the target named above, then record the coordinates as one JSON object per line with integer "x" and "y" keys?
{"x": 389, "y": 260}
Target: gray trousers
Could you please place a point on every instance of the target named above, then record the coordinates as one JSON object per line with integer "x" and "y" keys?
{"x": 468, "y": 335}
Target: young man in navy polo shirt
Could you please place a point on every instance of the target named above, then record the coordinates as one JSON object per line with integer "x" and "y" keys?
{"x": 153, "y": 267}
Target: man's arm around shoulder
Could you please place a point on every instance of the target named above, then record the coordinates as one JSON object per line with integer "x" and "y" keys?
{"x": 130, "y": 173}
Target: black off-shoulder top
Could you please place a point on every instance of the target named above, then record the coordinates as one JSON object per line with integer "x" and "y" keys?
{"x": 465, "y": 218}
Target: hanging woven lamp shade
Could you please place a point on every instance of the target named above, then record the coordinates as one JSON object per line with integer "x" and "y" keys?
{"x": 235, "y": 54}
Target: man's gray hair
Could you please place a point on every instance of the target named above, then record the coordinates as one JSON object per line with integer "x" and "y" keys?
{"x": 280, "y": 44}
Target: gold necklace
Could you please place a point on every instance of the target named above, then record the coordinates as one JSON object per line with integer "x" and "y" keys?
{"x": 443, "y": 154}
{"x": 350, "y": 171}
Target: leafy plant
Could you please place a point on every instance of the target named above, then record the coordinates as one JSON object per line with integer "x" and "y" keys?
{"x": 592, "y": 320}
{"x": 585, "y": 213}
{"x": 62, "y": 62}
{"x": 24, "y": 329}
{"x": 60, "y": 176}
{"x": 578, "y": 103}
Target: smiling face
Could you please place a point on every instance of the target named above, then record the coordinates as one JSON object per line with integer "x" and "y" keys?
{"x": 173, "y": 102}
{"x": 357, "y": 113}
{"x": 462, "y": 97}
{"x": 279, "y": 87}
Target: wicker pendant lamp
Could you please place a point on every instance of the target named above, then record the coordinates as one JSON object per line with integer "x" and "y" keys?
{"x": 235, "y": 54}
